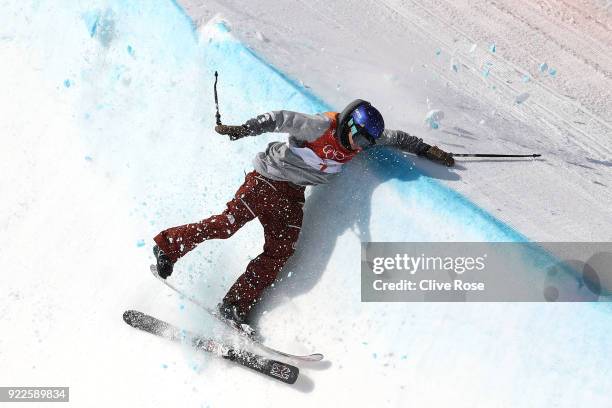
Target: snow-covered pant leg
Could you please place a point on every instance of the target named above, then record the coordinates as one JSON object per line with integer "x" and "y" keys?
{"x": 279, "y": 209}
{"x": 177, "y": 241}
{"x": 277, "y": 204}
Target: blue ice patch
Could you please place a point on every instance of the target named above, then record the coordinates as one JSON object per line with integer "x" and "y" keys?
{"x": 101, "y": 25}
{"x": 91, "y": 21}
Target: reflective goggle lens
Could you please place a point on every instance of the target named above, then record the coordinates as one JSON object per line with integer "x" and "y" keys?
{"x": 360, "y": 136}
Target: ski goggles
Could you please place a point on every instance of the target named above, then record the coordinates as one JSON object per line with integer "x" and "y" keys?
{"x": 360, "y": 135}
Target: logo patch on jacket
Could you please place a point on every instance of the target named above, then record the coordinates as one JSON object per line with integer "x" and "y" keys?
{"x": 325, "y": 153}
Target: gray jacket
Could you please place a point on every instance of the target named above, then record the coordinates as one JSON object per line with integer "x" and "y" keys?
{"x": 290, "y": 161}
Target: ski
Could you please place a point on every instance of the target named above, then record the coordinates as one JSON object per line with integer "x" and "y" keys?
{"x": 239, "y": 330}
{"x": 272, "y": 368}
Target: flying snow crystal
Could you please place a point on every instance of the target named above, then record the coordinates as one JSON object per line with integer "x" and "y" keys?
{"x": 438, "y": 51}
{"x": 454, "y": 65}
{"x": 543, "y": 67}
{"x": 433, "y": 118}
{"x": 526, "y": 78}
{"x": 224, "y": 26}
{"x": 101, "y": 25}
{"x": 130, "y": 50}
{"x": 552, "y": 72}
{"x": 492, "y": 47}
{"x": 140, "y": 243}
{"x": 88, "y": 158}
{"x": 261, "y": 37}
{"x": 521, "y": 98}
{"x": 486, "y": 68}
{"x": 67, "y": 83}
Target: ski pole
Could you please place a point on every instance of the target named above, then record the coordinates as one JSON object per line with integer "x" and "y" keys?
{"x": 493, "y": 155}
{"x": 218, "y": 115}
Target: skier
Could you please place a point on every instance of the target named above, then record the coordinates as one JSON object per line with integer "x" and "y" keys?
{"x": 318, "y": 146}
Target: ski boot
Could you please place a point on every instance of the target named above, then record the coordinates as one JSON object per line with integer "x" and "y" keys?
{"x": 234, "y": 317}
{"x": 164, "y": 264}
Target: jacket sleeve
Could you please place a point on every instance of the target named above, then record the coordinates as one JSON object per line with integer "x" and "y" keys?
{"x": 404, "y": 141}
{"x": 300, "y": 125}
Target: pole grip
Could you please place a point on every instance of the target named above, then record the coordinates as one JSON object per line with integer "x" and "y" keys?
{"x": 493, "y": 155}
{"x": 217, "y": 115}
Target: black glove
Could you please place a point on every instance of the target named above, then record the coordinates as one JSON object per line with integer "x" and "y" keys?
{"x": 261, "y": 124}
{"x": 436, "y": 154}
{"x": 234, "y": 132}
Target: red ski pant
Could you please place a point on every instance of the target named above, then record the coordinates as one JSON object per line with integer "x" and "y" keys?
{"x": 277, "y": 205}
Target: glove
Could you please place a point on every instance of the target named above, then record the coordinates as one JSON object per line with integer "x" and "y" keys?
{"x": 234, "y": 132}
{"x": 261, "y": 124}
{"x": 436, "y": 154}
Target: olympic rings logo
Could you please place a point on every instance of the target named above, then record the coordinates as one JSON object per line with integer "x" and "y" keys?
{"x": 331, "y": 153}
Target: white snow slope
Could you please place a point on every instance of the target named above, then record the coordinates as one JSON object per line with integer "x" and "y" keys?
{"x": 107, "y": 138}
{"x": 386, "y": 51}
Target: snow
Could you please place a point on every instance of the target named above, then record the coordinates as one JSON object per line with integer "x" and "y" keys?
{"x": 521, "y": 98}
{"x": 92, "y": 170}
{"x": 566, "y": 117}
{"x": 433, "y": 118}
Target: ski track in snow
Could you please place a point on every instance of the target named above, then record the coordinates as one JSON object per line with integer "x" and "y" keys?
{"x": 386, "y": 52}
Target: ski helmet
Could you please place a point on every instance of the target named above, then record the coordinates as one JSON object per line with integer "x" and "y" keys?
{"x": 363, "y": 121}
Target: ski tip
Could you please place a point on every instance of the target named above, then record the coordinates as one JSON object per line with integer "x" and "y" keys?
{"x": 310, "y": 358}
{"x": 282, "y": 371}
{"x": 314, "y": 357}
{"x": 129, "y": 316}
{"x": 304, "y": 358}
{"x": 294, "y": 376}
